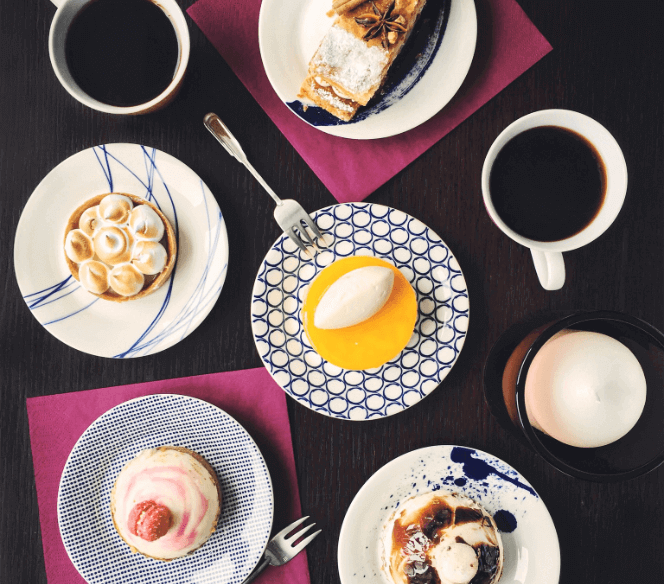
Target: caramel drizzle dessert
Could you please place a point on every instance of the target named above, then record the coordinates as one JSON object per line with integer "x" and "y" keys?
{"x": 352, "y": 60}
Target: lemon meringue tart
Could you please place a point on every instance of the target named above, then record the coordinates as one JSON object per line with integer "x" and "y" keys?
{"x": 119, "y": 246}
{"x": 166, "y": 502}
{"x": 441, "y": 537}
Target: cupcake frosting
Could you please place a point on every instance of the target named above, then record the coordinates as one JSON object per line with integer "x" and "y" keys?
{"x": 165, "y": 478}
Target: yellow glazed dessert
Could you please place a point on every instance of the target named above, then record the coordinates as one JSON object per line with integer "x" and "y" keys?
{"x": 359, "y": 312}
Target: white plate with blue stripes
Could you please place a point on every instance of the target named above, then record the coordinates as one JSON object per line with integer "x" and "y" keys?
{"x": 128, "y": 329}
{"x": 116, "y": 437}
{"x": 440, "y": 331}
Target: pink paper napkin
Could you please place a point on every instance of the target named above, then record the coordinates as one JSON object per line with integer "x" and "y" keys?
{"x": 507, "y": 45}
{"x": 57, "y": 422}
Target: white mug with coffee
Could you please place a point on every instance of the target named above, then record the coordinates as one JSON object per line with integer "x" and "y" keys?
{"x": 120, "y": 56}
{"x": 554, "y": 181}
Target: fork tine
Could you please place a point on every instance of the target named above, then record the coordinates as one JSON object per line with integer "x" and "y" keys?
{"x": 300, "y": 533}
{"x": 305, "y": 542}
{"x": 291, "y": 233}
{"x": 286, "y": 530}
{"x": 305, "y": 234}
{"x": 310, "y": 222}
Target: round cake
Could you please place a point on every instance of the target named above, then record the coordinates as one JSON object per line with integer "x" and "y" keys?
{"x": 441, "y": 538}
{"x": 120, "y": 247}
{"x": 166, "y": 502}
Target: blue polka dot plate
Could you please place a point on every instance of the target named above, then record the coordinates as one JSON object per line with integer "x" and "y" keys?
{"x": 423, "y": 79}
{"x": 530, "y": 541}
{"x": 128, "y": 329}
{"x": 440, "y": 330}
{"x": 115, "y": 438}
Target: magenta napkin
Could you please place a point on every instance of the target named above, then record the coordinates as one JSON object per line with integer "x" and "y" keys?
{"x": 507, "y": 45}
{"x": 57, "y": 422}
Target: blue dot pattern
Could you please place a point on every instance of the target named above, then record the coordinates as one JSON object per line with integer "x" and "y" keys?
{"x": 428, "y": 264}
{"x": 115, "y": 438}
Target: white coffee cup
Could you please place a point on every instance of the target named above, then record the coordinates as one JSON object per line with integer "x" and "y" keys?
{"x": 68, "y": 10}
{"x": 547, "y": 255}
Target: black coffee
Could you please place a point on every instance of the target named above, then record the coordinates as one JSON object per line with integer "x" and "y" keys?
{"x": 548, "y": 183}
{"x": 122, "y": 52}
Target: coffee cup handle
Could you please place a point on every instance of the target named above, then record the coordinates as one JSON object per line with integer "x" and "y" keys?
{"x": 550, "y": 268}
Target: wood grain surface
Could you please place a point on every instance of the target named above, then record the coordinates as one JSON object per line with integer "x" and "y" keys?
{"x": 607, "y": 62}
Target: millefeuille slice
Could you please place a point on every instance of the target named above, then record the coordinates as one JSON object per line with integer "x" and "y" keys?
{"x": 353, "y": 58}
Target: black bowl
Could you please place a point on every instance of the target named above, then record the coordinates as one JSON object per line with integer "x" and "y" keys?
{"x": 640, "y": 450}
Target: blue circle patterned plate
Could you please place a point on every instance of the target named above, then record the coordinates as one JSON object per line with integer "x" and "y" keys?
{"x": 128, "y": 329}
{"x": 530, "y": 541}
{"x": 115, "y": 438}
{"x": 440, "y": 331}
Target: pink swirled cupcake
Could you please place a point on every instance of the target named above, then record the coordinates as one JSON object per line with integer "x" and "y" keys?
{"x": 166, "y": 502}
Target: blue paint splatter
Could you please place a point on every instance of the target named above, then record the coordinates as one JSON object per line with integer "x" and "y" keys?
{"x": 505, "y": 521}
{"x": 460, "y": 482}
{"x": 477, "y": 469}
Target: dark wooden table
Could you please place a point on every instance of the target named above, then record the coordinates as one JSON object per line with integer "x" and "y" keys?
{"x": 607, "y": 63}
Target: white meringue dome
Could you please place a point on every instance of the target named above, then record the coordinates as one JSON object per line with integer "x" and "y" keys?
{"x": 146, "y": 224}
{"x": 113, "y": 245}
{"x": 126, "y": 280}
{"x": 149, "y": 257}
{"x": 115, "y": 208}
{"x": 78, "y": 246}
{"x": 93, "y": 276}
{"x": 90, "y": 220}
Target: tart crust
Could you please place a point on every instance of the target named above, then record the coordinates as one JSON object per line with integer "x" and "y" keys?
{"x": 169, "y": 242}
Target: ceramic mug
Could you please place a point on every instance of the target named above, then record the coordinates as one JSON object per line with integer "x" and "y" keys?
{"x": 65, "y": 15}
{"x": 547, "y": 255}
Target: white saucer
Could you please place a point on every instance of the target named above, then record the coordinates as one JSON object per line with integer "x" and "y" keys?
{"x": 532, "y": 552}
{"x": 135, "y": 328}
{"x": 440, "y": 330}
{"x": 289, "y": 32}
{"x": 116, "y": 437}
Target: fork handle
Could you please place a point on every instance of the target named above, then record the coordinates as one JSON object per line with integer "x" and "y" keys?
{"x": 264, "y": 564}
{"x": 221, "y": 132}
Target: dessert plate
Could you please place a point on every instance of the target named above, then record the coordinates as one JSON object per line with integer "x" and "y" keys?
{"x": 135, "y": 328}
{"x": 116, "y": 437}
{"x": 440, "y": 330}
{"x": 421, "y": 82}
{"x": 532, "y": 552}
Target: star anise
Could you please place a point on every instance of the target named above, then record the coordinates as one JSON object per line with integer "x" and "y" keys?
{"x": 382, "y": 24}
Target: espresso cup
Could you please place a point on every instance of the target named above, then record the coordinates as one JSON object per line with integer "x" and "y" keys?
{"x": 547, "y": 255}
{"x": 67, "y": 12}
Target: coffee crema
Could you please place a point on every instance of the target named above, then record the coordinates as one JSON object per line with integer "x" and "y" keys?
{"x": 122, "y": 52}
{"x": 548, "y": 183}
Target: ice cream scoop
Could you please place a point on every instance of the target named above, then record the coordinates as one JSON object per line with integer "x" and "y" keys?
{"x": 354, "y": 298}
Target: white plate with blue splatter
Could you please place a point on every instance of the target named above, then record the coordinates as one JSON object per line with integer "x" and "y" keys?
{"x": 355, "y": 229}
{"x": 115, "y": 438}
{"x": 423, "y": 79}
{"x": 129, "y": 329}
{"x": 530, "y": 541}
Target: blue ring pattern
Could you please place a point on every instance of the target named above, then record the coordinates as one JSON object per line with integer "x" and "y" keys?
{"x": 439, "y": 333}
{"x": 84, "y": 516}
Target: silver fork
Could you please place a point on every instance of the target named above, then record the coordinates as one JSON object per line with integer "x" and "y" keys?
{"x": 280, "y": 549}
{"x": 290, "y": 215}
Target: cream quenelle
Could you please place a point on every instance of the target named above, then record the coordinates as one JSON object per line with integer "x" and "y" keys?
{"x": 166, "y": 502}
{"x": 354, "y": 297}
